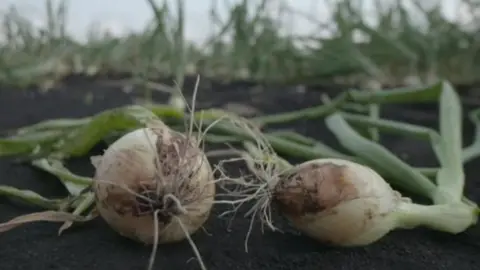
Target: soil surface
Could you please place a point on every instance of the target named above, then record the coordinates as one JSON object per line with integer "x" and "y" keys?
{"x": 95, "y": 246}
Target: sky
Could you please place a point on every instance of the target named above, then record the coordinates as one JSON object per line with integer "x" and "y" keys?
{"x": 121, "y": 16}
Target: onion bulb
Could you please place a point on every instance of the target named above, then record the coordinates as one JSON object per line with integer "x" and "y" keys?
{"x": 343, "y": 203}
{"x": 154, "y": 175}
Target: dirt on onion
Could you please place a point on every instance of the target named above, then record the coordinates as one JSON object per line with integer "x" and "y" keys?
{"x": 154, "y": 170}
{"x": 155, "y": 185}
{"x": 336, "y": 201}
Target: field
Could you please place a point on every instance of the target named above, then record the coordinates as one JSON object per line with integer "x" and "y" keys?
{"x": 35, "y": 87}
{"x": 95, "y": 246}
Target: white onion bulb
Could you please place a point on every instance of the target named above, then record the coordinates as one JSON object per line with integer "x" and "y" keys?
{"x": 154, "y": 170}
{"x": 347, "y": 204}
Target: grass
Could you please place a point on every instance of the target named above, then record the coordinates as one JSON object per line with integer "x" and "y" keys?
{"x": 408, "y": 44}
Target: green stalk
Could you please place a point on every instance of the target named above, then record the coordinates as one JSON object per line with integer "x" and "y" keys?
{"x": 54, "y": 124}
{"x": 294, "y": 137}
{"x": 297, "y": 150}
{"x": 31, "y": 143}
{"x": 281, "y": 145}
{"x": 399, "y": 95}
{"x": 374, "y": 112}
{"x": 380, "y": 158}
{"x": 308, "y": 113}
{"x": 75, "y": 184}
{"x": 472, "y": 151}
{"x": 257, "y": 154}
{"x": 83, "y": 139}
{"x": 452, "y": 217}
{"x": 450, "y": 177}
{"x": 391, "y": 126}
{"x": 86, "y": 202}
{"x": 30, "y": 197}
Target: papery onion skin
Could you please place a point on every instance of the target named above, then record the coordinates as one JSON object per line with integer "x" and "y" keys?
{"x": 130, "y": 162}
{"x": 337, "y": 202}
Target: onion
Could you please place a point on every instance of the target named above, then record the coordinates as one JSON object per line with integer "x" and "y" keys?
{"x": 343, "y": 203}
{"x": 154, "y": 185}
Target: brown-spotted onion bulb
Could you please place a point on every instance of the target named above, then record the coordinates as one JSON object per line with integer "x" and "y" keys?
{"x": 154, "y": 173}
{"x": 343, "y": 203}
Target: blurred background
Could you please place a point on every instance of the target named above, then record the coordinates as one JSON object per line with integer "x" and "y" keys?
{"x": 289, "y": 41}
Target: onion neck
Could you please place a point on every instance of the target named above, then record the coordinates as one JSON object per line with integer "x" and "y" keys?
{"x": 452, "y": 218}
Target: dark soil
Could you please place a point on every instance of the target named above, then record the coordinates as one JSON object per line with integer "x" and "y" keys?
{"x": 94, "y": 246}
